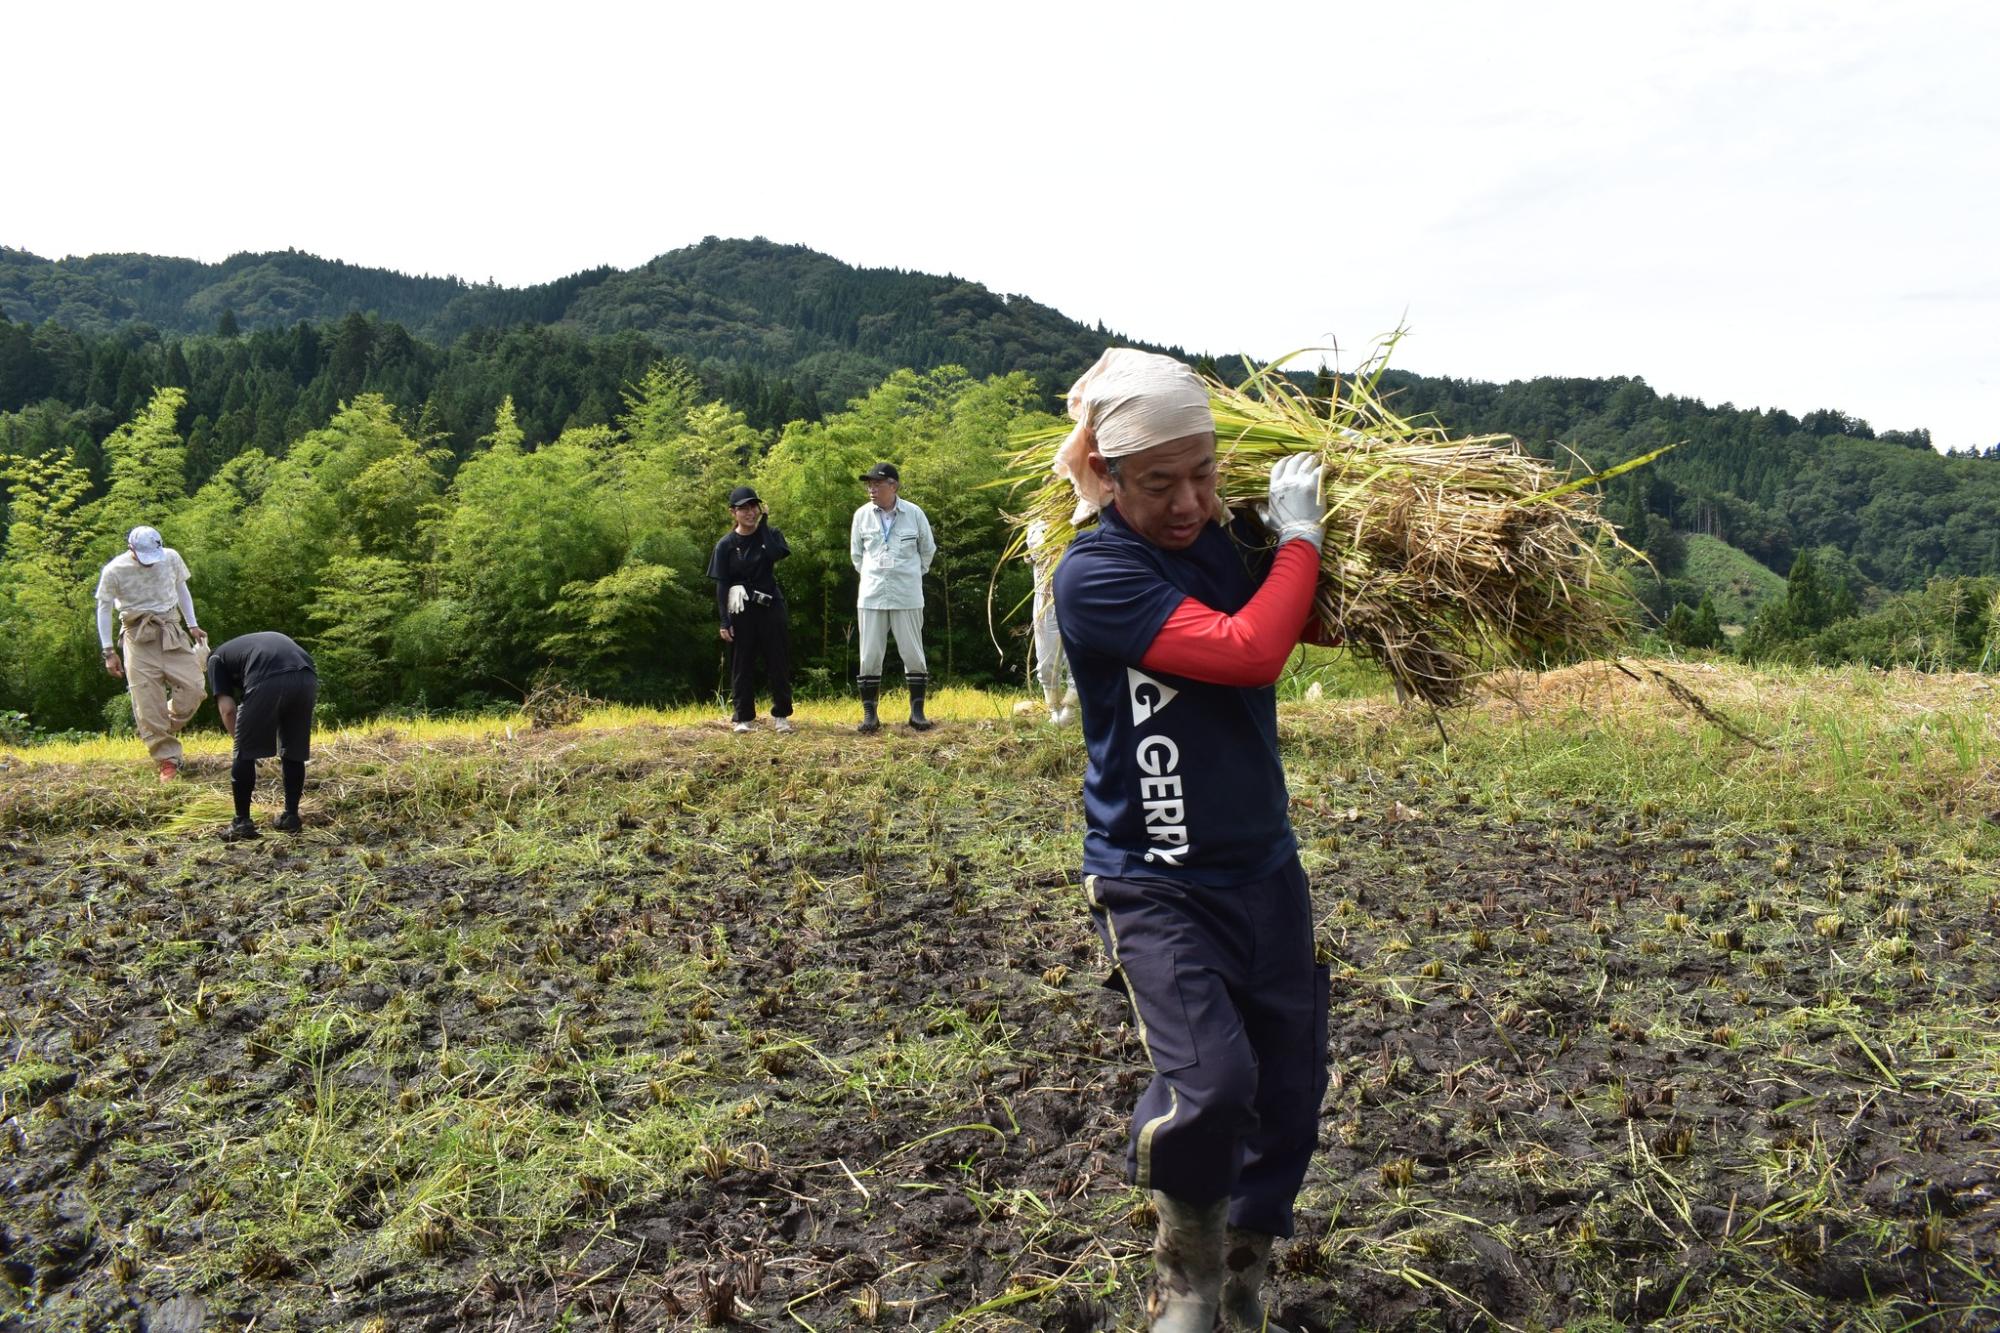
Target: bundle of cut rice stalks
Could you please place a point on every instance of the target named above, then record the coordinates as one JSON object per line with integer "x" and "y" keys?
{"x": 1443, "y": 557}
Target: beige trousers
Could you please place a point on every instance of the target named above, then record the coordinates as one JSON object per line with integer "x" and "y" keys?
{"x": 163, "y": 670}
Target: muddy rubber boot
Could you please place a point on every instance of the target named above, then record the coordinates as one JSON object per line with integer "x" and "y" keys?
{"x": 1246, "y": 1260}
{"x": 1187, "y": 1265}
{"x": 871, "y": 693}
{"x": 918, "y": 722}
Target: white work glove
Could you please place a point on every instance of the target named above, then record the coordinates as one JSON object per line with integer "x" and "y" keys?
{"x": 1294, "y": 508}
{"x": 739, "y": 597}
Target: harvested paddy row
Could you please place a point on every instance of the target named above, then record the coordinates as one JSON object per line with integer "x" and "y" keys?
{"x": 657, "y": 1027}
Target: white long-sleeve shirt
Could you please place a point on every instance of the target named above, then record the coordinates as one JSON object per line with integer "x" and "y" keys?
{"x": 891, "y": 556}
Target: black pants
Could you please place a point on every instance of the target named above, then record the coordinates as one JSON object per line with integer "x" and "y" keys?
{"x": 277, "y": 717}
{"x": 274, "y": 718}
{"x": 761, "y": 632}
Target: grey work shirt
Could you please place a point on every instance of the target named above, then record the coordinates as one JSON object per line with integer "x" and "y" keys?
{"x": 891, "y": 558}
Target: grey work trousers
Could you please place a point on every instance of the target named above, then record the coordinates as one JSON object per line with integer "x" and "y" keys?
{"x": 907, "y": 624}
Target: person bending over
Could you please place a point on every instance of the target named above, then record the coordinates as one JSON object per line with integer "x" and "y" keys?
{"x": 265, "y": 688}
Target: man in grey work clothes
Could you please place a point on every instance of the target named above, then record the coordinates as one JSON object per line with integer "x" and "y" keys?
{"x": 891, "y": 544}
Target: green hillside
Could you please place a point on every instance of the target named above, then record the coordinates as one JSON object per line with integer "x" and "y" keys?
{"x": 1769, "y": 482}
{"x": 772, "y": 308}
{"x": 269, "y": 346}
{"x": 99, "y": 293}
{"x": 1735, "y": 582}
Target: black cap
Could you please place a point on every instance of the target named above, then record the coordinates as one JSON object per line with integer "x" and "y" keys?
{"x": 883, "y": 472}
{"x": 743, "y": 495}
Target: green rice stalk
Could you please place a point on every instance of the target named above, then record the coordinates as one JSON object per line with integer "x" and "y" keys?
{"x": 1443, "y": 557}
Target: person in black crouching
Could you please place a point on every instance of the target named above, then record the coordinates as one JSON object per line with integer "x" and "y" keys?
{"x": 265, "y": 688}
{"x": 752, "y": 608}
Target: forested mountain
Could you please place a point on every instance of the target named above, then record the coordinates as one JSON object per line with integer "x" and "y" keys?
{"x": 783, "y": 311}
{"x": 1765, "y": 481}
{"x": 100, "y": 293}
{"x": 341, "y": 449}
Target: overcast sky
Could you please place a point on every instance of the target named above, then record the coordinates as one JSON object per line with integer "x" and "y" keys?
{"x": 1781, "y": 205}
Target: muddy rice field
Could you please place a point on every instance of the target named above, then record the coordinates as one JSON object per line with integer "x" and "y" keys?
{"x": 662, "y": 1027}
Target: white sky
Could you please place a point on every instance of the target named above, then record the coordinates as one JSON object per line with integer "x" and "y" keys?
{"x": 1779, "y": 204}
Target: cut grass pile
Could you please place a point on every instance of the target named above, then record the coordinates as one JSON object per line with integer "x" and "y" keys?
{"x": 1675, "y": 1009}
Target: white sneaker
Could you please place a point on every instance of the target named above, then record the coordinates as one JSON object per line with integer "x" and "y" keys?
{"x": 739, "y": 726}
{"x": 1062, "y": 715}
{"x": 782, "y": 724}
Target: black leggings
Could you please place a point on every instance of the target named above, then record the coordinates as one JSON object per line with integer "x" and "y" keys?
{"x": 243, "y": 779}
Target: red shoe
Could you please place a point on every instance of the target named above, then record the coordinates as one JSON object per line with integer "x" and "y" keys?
{"x": 169, "y": 769}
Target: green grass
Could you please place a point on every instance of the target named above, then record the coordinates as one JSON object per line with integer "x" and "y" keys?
{"x": 1835, "y": 753}
{"x": 1736, "y": 581}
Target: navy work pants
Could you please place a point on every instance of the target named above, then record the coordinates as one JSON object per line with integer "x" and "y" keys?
{"x": 1233, "y": 1011}
{"x": 760, "y": 632}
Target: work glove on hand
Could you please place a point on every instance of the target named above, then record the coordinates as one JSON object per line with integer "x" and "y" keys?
{"x": 1294, "y": 508}
{"x": 739, "y": 597}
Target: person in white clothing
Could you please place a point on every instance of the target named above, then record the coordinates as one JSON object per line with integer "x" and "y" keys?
{"x": 1050, "y": 667}
{"x": 164, "y": 650}
{"x": 892, "y": 548}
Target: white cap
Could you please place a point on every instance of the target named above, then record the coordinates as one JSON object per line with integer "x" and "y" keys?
{"x": 147, "y": 548}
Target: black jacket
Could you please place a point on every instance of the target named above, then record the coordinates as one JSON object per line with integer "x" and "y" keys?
{"x": 750, "y": 561}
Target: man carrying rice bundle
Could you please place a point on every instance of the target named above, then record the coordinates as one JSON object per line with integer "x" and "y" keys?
{"x": 1176, "y": 634}
{"x": 1443, "y": 556}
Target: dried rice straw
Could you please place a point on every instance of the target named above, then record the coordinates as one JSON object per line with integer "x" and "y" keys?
{"x": 1443, "y": 557}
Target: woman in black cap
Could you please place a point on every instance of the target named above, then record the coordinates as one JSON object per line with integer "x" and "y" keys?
{"x": 752, "y": 608}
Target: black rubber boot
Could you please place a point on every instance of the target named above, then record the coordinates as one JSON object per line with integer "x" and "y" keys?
{"x": 918, "y": 722}
{"x": 871, "y": 693}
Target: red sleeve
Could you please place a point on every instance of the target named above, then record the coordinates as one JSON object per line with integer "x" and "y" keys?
{"x": 1250, "y": 647}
